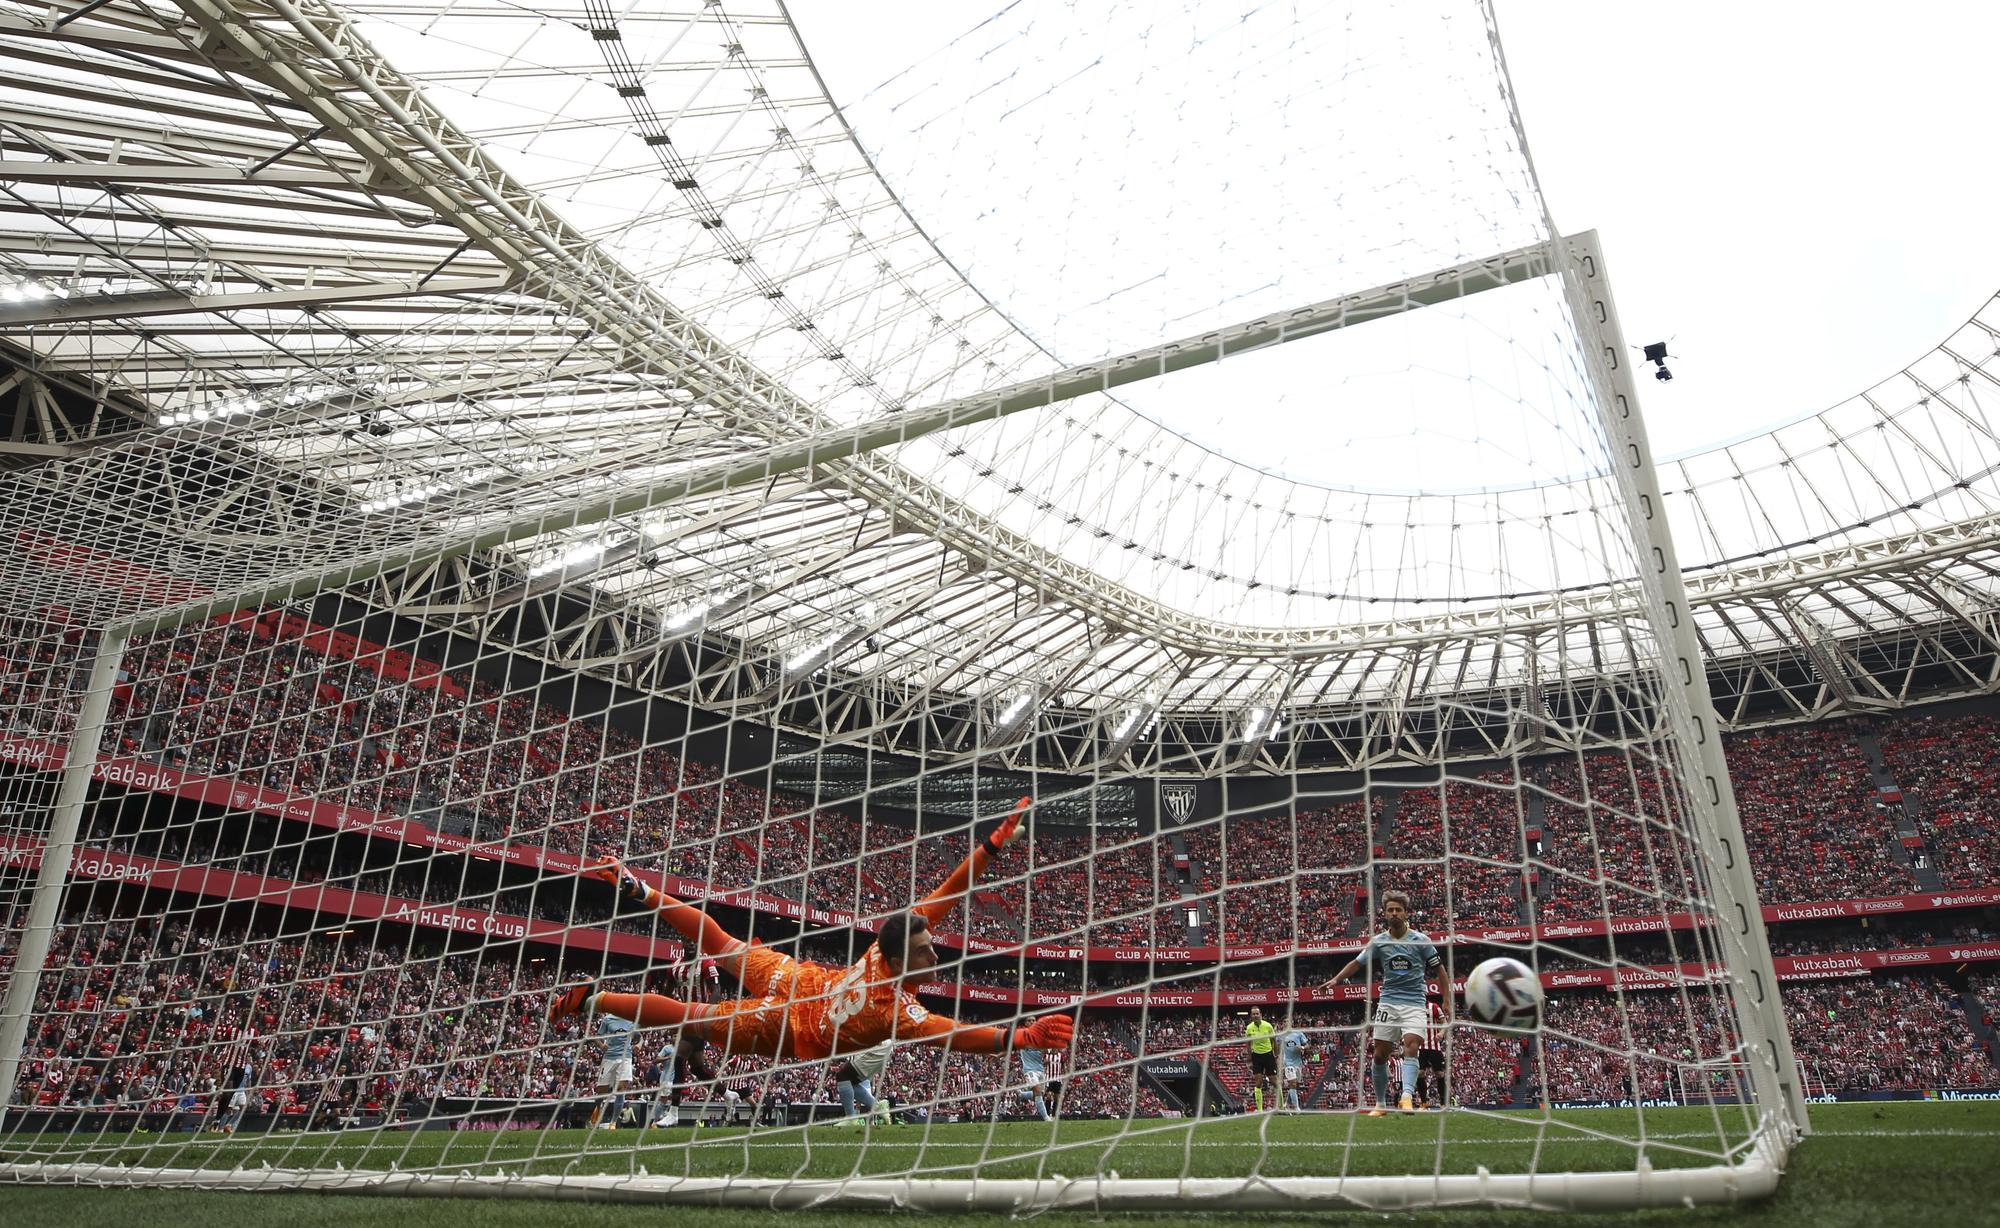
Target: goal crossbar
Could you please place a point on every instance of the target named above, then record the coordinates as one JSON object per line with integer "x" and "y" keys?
{"x": 1407, "y": 294}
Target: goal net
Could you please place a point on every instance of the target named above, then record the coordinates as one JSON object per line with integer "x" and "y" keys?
{"x": 767, "y": 546}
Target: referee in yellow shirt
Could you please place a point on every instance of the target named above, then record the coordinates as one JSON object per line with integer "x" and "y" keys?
{"x": 1263, "y": 1057}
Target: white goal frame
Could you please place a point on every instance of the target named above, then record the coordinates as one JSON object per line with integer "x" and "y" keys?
{"x": 1779, "y": 1111}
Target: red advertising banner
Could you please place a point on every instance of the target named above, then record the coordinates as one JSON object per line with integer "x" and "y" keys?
{"x": 391, "y": 663}
{"x": 109, "y": 866}
{"x": 240, "y": 795}
{"x": 102, "y": 571}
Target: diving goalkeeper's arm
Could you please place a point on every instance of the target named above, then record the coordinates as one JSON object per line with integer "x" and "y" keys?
{"x": 936, "y": 906}
{"x": 1054, "y": 1031}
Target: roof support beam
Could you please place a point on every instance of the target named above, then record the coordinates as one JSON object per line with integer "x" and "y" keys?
{"x": 105, "y": 37}
{"x": 824, "y": 447}
{"x": 1822, "y": 649}
{"x": 40, "y": 451}
{"x": 268, "y": 258}
{"x": 105, "y": 174}
{"x": 173, "y": 302}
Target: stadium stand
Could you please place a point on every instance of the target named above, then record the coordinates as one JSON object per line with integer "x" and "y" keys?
{"x": 241, "y": 701}
{"x": 1948, "y": 764}
{"x": 236, "y": 702}
{"x": 138, "y": 1020}
{"x": 1806, "y": 800}
{"x": 1487, "y": 822}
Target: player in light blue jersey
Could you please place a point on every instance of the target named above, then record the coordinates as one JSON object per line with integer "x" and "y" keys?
{"x": 1402, "y": 962}
{"x": 854, "y": 1079}
{"x": 614, "y": 1069}
{"x": 1039, "y": 1071}
{"x": 1292, "y": 1052}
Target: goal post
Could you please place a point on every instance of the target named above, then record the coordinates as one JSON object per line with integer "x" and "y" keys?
{"x": 1773, "y": 1068}
{"x": 37, "y": 927}
{"x": 788, "y": 835}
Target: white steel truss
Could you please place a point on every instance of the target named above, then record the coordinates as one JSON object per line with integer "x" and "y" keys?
{"x": 251, "y": 205}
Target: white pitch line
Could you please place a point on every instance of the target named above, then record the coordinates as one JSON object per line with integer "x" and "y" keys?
{"x": 1905, "y": 1135}
{"x": 1000, "y": 1154}
{"x": 738, "y": 1144}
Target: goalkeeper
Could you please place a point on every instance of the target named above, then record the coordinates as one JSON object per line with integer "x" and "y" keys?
{"x": 810, "y": 1012}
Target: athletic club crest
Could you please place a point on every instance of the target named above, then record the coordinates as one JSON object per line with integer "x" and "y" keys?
{"x": 1178, "y": 802}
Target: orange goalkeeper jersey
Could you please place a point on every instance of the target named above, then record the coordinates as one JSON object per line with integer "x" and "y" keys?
{"x": 828, "y": 1011}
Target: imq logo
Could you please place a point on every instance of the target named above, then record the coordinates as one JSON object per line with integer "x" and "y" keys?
{"x": 1178, "y": 802}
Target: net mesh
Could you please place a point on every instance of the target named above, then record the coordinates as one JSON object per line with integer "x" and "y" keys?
{"x": 342, "y": 876}
{"x": 421, "y": 632}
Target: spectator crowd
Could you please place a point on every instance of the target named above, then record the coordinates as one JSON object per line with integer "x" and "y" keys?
{"x": 145, "y": 1014}
{"x": 1563, "y": 838}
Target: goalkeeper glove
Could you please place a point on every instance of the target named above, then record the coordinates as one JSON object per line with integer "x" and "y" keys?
{"x": 1048, "y": 1032}
{"x": 1009, "y": 829}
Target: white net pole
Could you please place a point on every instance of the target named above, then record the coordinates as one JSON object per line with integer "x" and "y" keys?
{"x": 1726, "y": 860}
{"x": 58, "y": 841}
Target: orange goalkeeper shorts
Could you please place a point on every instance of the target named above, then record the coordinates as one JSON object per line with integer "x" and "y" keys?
{"x": 784, "y": 1000}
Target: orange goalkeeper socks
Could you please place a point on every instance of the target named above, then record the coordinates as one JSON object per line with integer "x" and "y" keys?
{"x": 698, "y": 927}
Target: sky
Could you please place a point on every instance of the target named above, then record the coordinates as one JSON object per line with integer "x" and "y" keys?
{"x": 1795, "y": 196}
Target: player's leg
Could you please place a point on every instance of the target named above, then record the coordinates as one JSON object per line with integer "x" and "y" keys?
{"x": 669, "y": 1113}
{"x": 648, "y": 1010}
{"x": 612, "y": 1076}
{"x": 1412, "y": 1042}
{"x": 847, "y": 1083}
{"x": 691, "y": 1060}
{"x": 1031, "y": 1095}
{"x": 866, "y": 1065}
{"x": 857, "y": 1094}
{"x": 740, "y": 1025}
{"x": 1426, "y": 1079}
{"x": 689, "y": 1067}
{"x": 696, "y": 926}
{"x": 1378, "y": 1066}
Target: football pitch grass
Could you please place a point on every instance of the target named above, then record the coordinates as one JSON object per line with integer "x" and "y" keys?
{"x": 1866, "y": 1165}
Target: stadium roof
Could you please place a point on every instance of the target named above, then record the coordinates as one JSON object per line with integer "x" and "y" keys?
{"x": 303, "y": 284}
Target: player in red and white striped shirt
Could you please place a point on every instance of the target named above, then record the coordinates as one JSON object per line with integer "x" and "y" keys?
{"x": 1433, "y": 1085}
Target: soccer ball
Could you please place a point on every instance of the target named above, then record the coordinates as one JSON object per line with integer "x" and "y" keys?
{"x": 1503, "y": 994}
